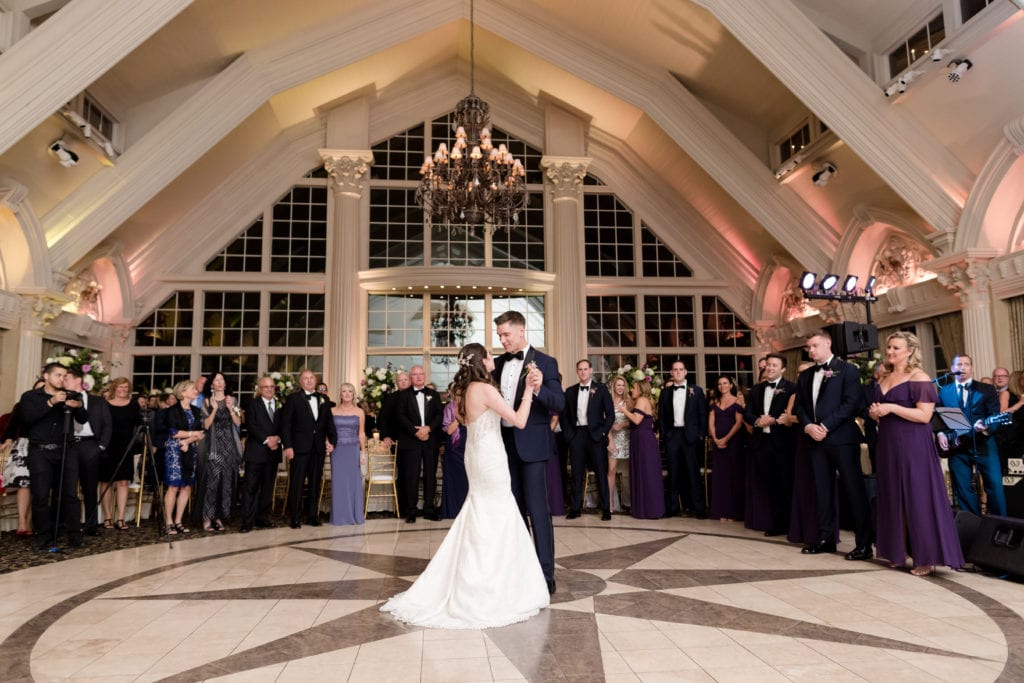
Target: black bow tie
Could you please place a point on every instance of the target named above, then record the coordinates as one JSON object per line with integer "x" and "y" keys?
{"x": 821, "y": 366}
{"x": 309, "y": 395}
{"x": 417, "y": 391}
{"x": 772, "y": 385}
{"x": 584, "y": 387}
{"x": 677, "y": 387}
{"x": 518, "y": 355}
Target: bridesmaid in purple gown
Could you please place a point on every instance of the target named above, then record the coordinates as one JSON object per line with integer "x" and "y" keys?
{"x": 454, "y": 480}
{"x": 556, "y": 498}
{"x": 346, "y": 475}
{"x": 914, "y": 513}
{"x": 646, "y": 486}
{"x": 725, "y": 425}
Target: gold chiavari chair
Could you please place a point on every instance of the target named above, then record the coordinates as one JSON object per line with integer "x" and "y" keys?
{"x": 381, "y": 473}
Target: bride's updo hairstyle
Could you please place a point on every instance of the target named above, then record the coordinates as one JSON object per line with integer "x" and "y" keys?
{"x": 471, "y": 369}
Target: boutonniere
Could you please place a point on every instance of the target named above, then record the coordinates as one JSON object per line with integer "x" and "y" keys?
{"x": 593, "y": 390}
{"x": 689, "y": 391}
{"x": 427, "y": 397}
{"x": 777, "y": 391}
{"x": 828, "y": 373}
{"x": 527, "y": 367}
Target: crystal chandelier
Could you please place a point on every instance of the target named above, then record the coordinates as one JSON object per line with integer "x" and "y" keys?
{"x": 474, "y": 183}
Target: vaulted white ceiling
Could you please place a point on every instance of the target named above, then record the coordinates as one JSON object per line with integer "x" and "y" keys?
{"x": 226, "y": 80}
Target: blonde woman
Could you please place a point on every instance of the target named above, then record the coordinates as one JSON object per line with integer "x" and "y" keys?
{"x": 913, "y": 509}
{"x": 646, "y": 486}
{"x": 117, "y": 463}
{"x": 618, "y": 438}
{"x": 347, "y": 456}
{"x": 184, "y": 428}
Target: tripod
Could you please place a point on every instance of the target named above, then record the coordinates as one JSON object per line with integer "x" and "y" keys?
{"x": 68, "y": 433}
{"x": 144, "y": 435}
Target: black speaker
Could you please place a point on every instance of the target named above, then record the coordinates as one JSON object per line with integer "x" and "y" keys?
{"x": 967, "y": 525}
{"x": 850, "y": 338}
{"x": 999, "y": 544}
{"x": 1013, "y": 487}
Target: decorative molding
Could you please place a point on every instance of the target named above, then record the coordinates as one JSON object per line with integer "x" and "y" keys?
{"x": 12, "y": 194}
{"x": 40, "y": 308}
{"x": 794, "y": 305}
{"x": 1014, "y": 132}
{"x": 565, "y": 175}
{"x": 967, "y": 275}
{"x": 897, "y": 262}
{"x": 347, "y": 169}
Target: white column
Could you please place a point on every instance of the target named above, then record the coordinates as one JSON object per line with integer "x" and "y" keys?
{"x": 969, "y": 277}
{"x": 346, "y": 325}
{"x": 71, "y": 49}
{"x": 817, "y": 72}
{"x": 567, "y": 331}
{"x": 22, "y": 361}
{"x": 13, "y": 27}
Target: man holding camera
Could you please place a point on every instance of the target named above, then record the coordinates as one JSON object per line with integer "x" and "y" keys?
{"x": 52, "y": 467}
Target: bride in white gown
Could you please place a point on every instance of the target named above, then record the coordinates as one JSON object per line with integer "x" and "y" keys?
{"x": 485, "y": 573}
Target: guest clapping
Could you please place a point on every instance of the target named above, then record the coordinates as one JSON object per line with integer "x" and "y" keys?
{"x": 221, "y": 419}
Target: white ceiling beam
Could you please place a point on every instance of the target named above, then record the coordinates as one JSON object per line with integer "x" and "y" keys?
{"x": 681, "y": 115}
{"x": 923, "y": 172}
{"x": 58, "y": 60}
{"x": 102, "y": 203}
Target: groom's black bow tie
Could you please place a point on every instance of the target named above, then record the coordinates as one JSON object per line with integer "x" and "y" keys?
{"x": 518, "y": 355}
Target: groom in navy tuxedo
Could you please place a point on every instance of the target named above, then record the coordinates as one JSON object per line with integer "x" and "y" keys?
{"x": 529, "y": 448}
{"x": 828, "y": 401}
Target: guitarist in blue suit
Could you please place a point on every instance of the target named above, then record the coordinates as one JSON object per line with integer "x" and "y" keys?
{"x": 529, "y": 448}
{"x": 828, "y": 399}
{"x": 979, "y": 403}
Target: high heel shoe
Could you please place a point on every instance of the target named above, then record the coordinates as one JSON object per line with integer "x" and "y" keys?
{"x": 925, "y": 570}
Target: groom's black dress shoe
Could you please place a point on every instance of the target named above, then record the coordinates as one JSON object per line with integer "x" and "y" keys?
{"x": 411, "y": 519}
{"x": 551, "y": 586}
{"x": 819, "y": 547}
{"x": 861, "y": 552}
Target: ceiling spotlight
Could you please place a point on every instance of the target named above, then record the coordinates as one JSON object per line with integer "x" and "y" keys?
{"x": 869, "y": 288}
{"x": 940, "y": 53}
{"x": 960, "y": 67}
{"x": 901, "y": 84}
{"x": 822, "y": 177}
{"x": 807, "y": 280}
{"x": 892, "y": 90}
{"x": 850, "y": 284}
{"x": 829, "y": 282}
{"x": 64, "y": 154}
{"x": 788, "y": 167}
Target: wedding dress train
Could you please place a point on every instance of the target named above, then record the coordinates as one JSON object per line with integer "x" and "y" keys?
{"x": 485, "y": 573}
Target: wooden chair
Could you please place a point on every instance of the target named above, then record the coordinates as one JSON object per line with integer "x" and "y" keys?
{"x": 381, "y": 473}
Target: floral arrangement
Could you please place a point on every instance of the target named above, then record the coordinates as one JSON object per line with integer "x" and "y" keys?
{"x": 647, "y": 373}
{"x": 96, "y": 373}
{"x": 376, "y": 383}
{"x": 866, "y": 365}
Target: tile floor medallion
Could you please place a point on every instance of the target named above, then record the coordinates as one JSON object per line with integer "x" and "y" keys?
{"x": 661, "y": 600}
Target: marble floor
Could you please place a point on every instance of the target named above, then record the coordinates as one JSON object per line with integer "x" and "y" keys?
{"x": 662, "y": 600}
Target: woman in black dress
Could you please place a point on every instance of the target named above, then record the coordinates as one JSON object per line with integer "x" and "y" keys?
{"x": 221, "y": 419}
{"x": 117, "y": 463}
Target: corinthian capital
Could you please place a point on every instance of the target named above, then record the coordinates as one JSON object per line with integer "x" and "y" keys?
{"x": 966, "y": 275}
{"x": 39, "y": 309}
{"x": 566, "y": 175}
{"x": 347, "y": 169}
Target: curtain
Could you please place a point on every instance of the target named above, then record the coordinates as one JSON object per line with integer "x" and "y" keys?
{"x": 949, "y": 330}
{"x": 1015, "y": 308}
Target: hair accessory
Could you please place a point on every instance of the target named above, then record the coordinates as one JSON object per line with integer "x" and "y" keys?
{"x": 464, "y": 361}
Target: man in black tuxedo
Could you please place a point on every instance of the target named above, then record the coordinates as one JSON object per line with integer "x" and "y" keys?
{"x": 773, "y": 443}
{"x": 386, "y": 420}
{"x": 586, "y": 421}
{"x": 683, "y": 424}
{"x": 92, "y": 436}
{"x": 529, "y": 448}
{"x": 828, "y": 400}
{"x": 262, "y": 456}
{"x": 978, "y": 401}
{"x": 418, "y": 416}
{"x": 308, "y": 434}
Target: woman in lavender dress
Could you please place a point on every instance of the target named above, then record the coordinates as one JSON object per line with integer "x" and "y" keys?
{"x": 346, "y": 476}
{"x": 725, "y": 424}
{"x": 914, "y": 513}
{"x": 646, "y": 486}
